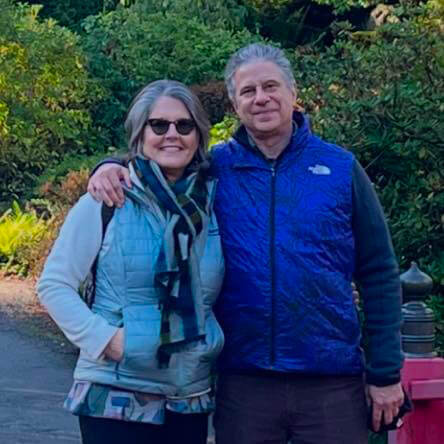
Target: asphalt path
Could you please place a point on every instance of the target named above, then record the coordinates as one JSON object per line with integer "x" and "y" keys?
{"x": 34, "y": 379}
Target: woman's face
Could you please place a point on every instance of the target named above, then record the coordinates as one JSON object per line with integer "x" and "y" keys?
{"x": 172, "y": 151}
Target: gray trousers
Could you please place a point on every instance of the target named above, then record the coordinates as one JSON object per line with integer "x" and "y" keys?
{"x": 281, "y": 408}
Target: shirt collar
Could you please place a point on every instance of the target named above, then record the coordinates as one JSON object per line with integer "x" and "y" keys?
{"x": 253, "y": 145}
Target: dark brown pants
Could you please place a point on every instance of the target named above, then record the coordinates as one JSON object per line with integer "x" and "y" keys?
{"x": 298, "y": 409}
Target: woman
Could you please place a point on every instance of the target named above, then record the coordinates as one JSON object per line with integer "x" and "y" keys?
{"x": 149, "y": 341}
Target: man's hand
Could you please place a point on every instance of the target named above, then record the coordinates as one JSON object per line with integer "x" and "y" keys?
{"x": 105, "y": 184}
{"x": 386, "y": 402}
{"x": 114, "y": 349}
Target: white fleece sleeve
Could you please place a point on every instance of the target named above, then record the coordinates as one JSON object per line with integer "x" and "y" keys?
{"x": 67, "y": 266}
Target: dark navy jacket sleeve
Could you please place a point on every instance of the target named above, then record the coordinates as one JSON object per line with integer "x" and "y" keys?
{"x": 377, "y": 274}
{"x": 118, "y": 160}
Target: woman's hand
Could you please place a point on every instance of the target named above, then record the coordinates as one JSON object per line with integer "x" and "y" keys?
{"x": 114, "y": 349}
{"x": 104, "y": 185}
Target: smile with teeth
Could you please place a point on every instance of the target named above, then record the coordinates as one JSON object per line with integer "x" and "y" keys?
{"x": 171, "y": 149}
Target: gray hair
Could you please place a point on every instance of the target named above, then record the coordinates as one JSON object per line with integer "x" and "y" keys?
{"x": 257, "y": 52}
{"x": 143, "y": 104}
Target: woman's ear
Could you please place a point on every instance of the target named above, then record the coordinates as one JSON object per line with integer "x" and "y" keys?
{"x": 233, "y": 104}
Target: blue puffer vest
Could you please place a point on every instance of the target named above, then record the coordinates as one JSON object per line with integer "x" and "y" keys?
{"x": 126, "y": 297}
{"x": 286, "y": 228}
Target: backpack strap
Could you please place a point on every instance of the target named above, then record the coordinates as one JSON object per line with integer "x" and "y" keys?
{"x": 107, "y": 214}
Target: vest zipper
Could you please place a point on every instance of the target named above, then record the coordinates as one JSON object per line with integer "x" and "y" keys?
{"x": 272, "y": 261}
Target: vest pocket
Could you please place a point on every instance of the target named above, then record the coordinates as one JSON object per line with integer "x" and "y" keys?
{"x": 196, "y": 360}
{"x": 141, "y": 325}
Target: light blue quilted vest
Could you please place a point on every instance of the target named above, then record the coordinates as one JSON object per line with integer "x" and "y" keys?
{"x": 126, "y": 297}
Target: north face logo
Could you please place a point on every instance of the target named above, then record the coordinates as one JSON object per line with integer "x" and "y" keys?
{"x": 322, "y": 170}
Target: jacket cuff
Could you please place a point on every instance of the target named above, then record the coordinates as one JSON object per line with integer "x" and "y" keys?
{"x": 118, "y": 160}
{"x": 104, "y": 335}
{"x": 382, "y": 381}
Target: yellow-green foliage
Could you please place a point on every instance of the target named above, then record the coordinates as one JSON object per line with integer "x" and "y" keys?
{"x": 18, "y": 230}
{"x": 222, "y": 131}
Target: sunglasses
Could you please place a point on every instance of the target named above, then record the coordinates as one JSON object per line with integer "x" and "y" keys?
{"x": 161, "y": 126}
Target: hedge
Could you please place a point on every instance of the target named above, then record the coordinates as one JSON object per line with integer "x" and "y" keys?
{"x": 45, "y": 98}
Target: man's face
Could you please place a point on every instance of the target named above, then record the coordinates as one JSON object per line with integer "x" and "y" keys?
{"x": 263, "y": 100}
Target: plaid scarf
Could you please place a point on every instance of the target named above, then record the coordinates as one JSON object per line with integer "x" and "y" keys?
{"x": 186, "y": 201}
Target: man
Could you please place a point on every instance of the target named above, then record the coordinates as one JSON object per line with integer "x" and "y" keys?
{"x": 299, "y": 220}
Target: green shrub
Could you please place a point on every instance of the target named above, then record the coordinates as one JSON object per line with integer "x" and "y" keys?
{"x": 128, "y": 49}
{"x": 339, "y": 6}
{"x": 269, "y": 4}
{"x": 229, "y": 14}
{"x": 18, "y": 230}
{"x": 381, "y": 94}
{"x": 26, "y": 237}
{"x": 55, "y": 174}
{"x": 58, "y": 197}
{"x": 307, "y": 22}
{"x": 437, "y": 304}
{"x": 45, "y": 98}
{"x": 69, "y": 13}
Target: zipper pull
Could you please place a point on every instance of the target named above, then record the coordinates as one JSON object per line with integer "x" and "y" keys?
{"x": 273, "y": 167}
